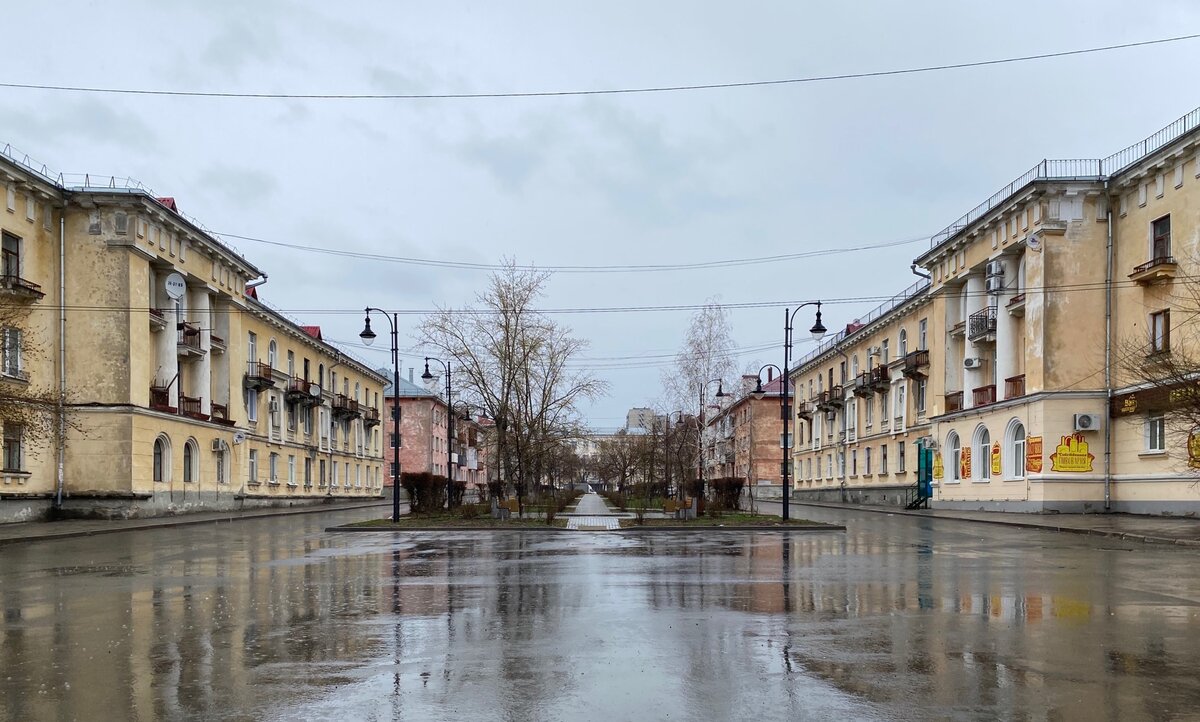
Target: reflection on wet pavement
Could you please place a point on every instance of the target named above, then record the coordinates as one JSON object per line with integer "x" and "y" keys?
{"x": 897, "y": 618}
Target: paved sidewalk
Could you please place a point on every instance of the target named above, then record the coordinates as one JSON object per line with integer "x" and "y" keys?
{"x": 43, "y": 530}
{"x": 592, "y": 504}
{"x": 1152, "y": 529}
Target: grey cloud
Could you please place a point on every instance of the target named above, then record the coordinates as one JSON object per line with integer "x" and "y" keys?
{"x": 90, "y": 120}
{"x": 238, "y": 186}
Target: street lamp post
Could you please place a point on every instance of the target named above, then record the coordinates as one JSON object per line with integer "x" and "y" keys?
{"x": 368, "y": 337}
{"x": 817, "y": 331}
{"x": 667, "y": 449}
{"x": 700, "y": 432}
{"x": 449, "y": 424}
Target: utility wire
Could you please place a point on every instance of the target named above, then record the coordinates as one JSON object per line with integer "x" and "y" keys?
{"x": 602, "y": 91}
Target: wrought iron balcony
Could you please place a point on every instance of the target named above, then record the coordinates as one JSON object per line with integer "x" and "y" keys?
{"x": 344, "y": 406}
{"x": 17, "y": 287}
{"x": 830, "y": 398}
{"x": 220, "y": 414}
{"x": 983, "y": 395}
{"x": 914, "y": 362}
{"x": 370, "y": 416}
{"x": 881, "y": 378}
{"x": 192, "y": 407}
{"x": 954, "y": 402}
{"x": 1155, "y": 270}
{"x": 982, "y": 324}
{"x": 864, "y": 385}
{"x": 1014, "y": 386}
{"x": 804, "y": 409}
{"x": 259, "y": 375}
{"x": 189, "y": 339}
{"x": 160, "y": 399}
{"x": 300, "y": 391}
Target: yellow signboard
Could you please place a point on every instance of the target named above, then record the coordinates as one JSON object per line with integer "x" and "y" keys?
{"x": 1033, "y": 455}
{"x": 964, "y": 466}
{"x": 997, "y": 468}
{"x": 1072, "y": 455}
{"x": 938, "y": 469}
{"x": 1194, "y": 449}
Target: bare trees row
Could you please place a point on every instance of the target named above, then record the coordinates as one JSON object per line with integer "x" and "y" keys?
{"x": 515, "y": 365}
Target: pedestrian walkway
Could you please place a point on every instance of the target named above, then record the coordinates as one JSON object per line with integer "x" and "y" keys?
{"x": 1184, "y": 531}
{"x": 592, "y": 504}
{"x": 44, "y": 530}
{"x": 593, "y": 523}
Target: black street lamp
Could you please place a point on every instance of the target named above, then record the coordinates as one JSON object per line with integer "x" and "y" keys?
{"x": 667, "y": 449}
{"x": 368, "y": 338}
{"x": 818, "y": 332}
{"x": 449, "y": 424}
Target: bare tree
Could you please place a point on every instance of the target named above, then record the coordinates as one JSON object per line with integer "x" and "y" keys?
{"x": 619, "y": 458}
{"x": 706, "y": 354}
{"x": 514, "y": 363}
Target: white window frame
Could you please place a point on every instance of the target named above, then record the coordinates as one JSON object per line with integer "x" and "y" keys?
{"x": 291, "y": 470}
{"x": 1155, "y": 433}
{"x": 252, "y": 473}
{"x": 954, "y": 448}
{"x": 273, "y": 468}
{"x": 1014, "y": 466}
{"x": 981, "y": 448}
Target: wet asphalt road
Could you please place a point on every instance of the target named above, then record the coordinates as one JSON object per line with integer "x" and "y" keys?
{"x": 897, "y": 618}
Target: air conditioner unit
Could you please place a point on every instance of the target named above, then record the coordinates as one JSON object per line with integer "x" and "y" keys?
{"x": 994, "y": 284}
{"x": 1087, "y": 422}
{"x": 874, "y": 351}
{"x": 972, "y": 363}
{"x": 218, "y": 445}
{"x": 995, "y": 268}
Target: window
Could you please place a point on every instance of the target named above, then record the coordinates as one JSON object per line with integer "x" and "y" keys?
{"x": 955, "y": 447}
{"x": 1156, "y": 433}
{"x": 883, "y": 408}
{"x": 272, "y": 353}
{"x": 922, "y": 385}
{"x": 13, "y": 443}
{"x": 254, "y": 466}
{"x": 291, "y": 416}
{"x": 854, "y": 366}
{"x": 1160, "y": 238}
{"x": 219, "y": 459}
{"x": 983, "y": 454}
{"x": 291, "y": 357}
{"x": 899, "y": 412}
{"x": 162, "y": 459}
{"x": 923, "y": 334}
{"x": 854, "y": 462}
{"x": 869, "y": 408}
{"x": 829, "y": 466}
{"x": 321, "y": 475}
{"x": 291, "y": 470}
{"x": 867, "y": 461}
{"x": 10, "y": 249}
{"x": 189, "y": 461}
{"x": 12, "y": 338}
{"x": 1160, "y": 332}
{"x": 307, "y": 415}
{"x": 273, "y": 468}
{"x": 900, "y": 457}
{"x": 251, "y": 405}
{"x": 252, "y": 347}
{"x": 358, "y": 475}
{"x": 333, "y": 475}
{"x": 1016, "y": 450}
{"x": 347, "y": 475}
{"x": 885, "y": 357}
{"x": 903, "y": 343}
{"x": 308, "y": 472}
{"x": 395, "y": 469}
{"x": 883, "y": 457}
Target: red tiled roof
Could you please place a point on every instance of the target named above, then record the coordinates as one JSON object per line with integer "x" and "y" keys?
{"x": 314, "y": 331}
{"x": 169, "y": 202}
{"x": 252, "y": 292}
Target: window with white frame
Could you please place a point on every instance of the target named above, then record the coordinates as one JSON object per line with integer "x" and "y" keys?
{"x": 923, "y": 334}
{"x": 1156, "y": 432}
{"x": 869, "y": 413}
{"x": 900, "y": 457}
{"x": 982, "y": 452}
{"x": 922, "y": 386}
{"x": 162, "y": 459}
{"x": 291, "y": 470}
{"x": 252, "y": 347}
{"x": 273, "y": 468}
{"x": 14, "y": 447}
{"x": 272, "y": 354}
{"x": 191, "y": 458}
{"x": 899, "y": 410}
{"x": 883, "y": 458}
{"x": 954, "y": 445}
{"x": 253, "y": 472}
{"x": 903, "y": 343}
{"x": 1160, "y": 331}
{"x": 13, "y": 341}
{"x": 885, "y": 358}
{"x": 1015, "y": 445}
{"x": 251, "y": 405}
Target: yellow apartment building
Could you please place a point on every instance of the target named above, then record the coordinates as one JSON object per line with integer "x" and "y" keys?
{"x": 178, "y": 388}
{"x": 1056, "y": 320}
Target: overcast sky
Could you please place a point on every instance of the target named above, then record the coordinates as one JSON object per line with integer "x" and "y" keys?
{"x": 630, "y": 179}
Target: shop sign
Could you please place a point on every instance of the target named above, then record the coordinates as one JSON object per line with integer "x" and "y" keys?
{"x": 939, "y": 470}
{"x": 1155, "y": 398}
{"x": 1033, "y": 454}
{"x": 997, "y": 468}
{"x": 964, "y": 465}
{"x": 1072, "y": 455}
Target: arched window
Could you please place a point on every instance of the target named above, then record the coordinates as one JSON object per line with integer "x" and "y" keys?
{"x": 1014, "y": 444}
{"x": 982, "y": 453}
{"x": 272, "y": 353}
{"x": 903, "y": 343}
{"x": 190, "y": 457}
{"x": 162, "y": 459}
{"x": 955, "y": 449}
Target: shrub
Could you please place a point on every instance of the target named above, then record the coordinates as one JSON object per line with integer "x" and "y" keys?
{"x": 457, "y": 489}
{"x": 727, "y": 492}
{"x": 426, "y": 492}
{"x": 469, "y": 511}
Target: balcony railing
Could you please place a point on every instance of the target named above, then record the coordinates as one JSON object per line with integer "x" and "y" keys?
{"x": 216, "y": 343}
{"x": 984, "y": 395}
{"x": 914, "y": 362}
{"x": 954, "y": 402}
{"x": 259, "y": 375}
{"x": 158, "y": 319}
{"x": 981, "y": 323}
{"x": 863, "y": 384}
{"x": 370, "y": 416}
{"x": 192, "y": 406}
{"x": 1014, "y": 386}
{"x": 830, "y": 398}
{"x": 220, "y": 414}
{"x": 160, "y": 399}
{"x": 189, "y": 339}
{"x": 881, "y": 378}
{"x": 804, "y": 409}
{"x": 1156, "y": 269}
{"x": 301, "y": 391}
{"x": 1016, "y": 305}
{"x": 14, "y": 285}
{"x": 345, "y": 406}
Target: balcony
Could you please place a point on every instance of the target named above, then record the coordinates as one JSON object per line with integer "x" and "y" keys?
{"x": 220, "y": 414}
{"x": 216, "y": 343}
{"x": 1155, "y": 270}
{"x": 300, "y": 391}
{"x": 370, "y": 416}
{"x": 804, "y": 409}
{"x": 259, "y": 376}
{"x": 914, "y": 363}
{"x": 954, "y": 402}
{"x": 158, "y": 320}
{"x": 160, "y": 399}
{"x": 192, "y": 407}
{"x": 1014, "y": 386}
{"x": 983, "y": 395}
{"x": 981, "y": 326}
{"x": 831, "y": 398}
{"x": 1016, "y": 305}
{"x": 863, "y": 384}
{"x": 958, "y": 329}
{"x": 345, "y": 407}
{"x": 881, "y": 379}
{"x": 14, "y": 286}
{"x": 189, "y": 339}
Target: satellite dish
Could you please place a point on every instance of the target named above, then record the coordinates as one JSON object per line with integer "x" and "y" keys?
{"x": 238, "y": 437}
{"x": 314, "y": 390}
{"x": 1034, "y": 243}
{"x": 175, "y": 286}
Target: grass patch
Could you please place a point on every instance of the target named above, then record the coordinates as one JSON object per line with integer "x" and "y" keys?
{"x": 456, "y": 521}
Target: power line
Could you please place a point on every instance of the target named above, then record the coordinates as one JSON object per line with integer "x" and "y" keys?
{"x": 602, "y": 91}
{"x": 466, "y": 265}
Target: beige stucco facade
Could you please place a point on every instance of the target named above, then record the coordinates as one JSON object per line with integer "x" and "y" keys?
{"x": 1047, "y": 310}
{"x": 181, "y": 389}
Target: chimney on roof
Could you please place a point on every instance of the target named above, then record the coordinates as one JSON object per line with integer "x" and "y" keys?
{"x": 770, "y": 374}
{"x": 410, "y": 373}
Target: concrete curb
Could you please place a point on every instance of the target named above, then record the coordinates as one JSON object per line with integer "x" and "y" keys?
{"x": 1018, "y": 524}
{"x": 183, "y": 520}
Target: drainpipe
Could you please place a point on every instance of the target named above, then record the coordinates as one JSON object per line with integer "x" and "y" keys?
{"x": 1108, "y": 381}
{"x": 846, "y": 423}
{"x": 60, "y": 411}
{"x": 915, "y": 272}
{"x": 256, "y": 284}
